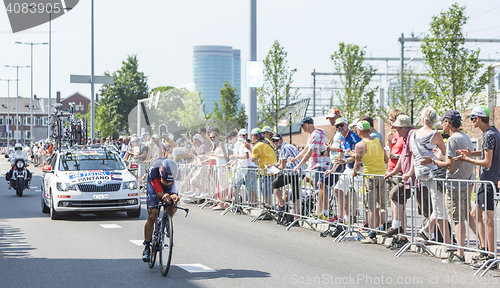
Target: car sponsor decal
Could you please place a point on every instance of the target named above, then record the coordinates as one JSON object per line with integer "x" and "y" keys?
{"x": 116, "y": 176}
{"x": 89, "y": 176}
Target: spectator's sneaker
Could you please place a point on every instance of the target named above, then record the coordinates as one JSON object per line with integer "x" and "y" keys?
{"x": 400, "y": 244}
{"x": 480, "y": 264}
{"x": 10, "y": 186}
{"x": 392, "y": 232}
{"x": 480, "y": 257}
{"x": 146, "y": 254}
{"x": 334, "y": 219}
{"x": 369, "y": 240}
{"x": 279, "y": 210}
{"x": 424, "y": 234}
{"x": 454, "y": 259}
{"x": 322, "y": 217}
{"x": 394, "y": 242}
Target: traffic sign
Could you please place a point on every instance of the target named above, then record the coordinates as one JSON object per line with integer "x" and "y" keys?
{"x": 283, "y": 122}
{"x": 254, "y": 74}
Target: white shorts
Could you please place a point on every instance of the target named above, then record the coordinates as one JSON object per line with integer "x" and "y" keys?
{"x": 345, "y": 179}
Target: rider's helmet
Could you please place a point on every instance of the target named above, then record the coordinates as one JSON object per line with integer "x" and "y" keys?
{"x": 18, "y": 146}
{"x": 168, "y": 170}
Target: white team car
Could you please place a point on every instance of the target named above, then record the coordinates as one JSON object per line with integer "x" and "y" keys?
{"x": 89, "y": 179}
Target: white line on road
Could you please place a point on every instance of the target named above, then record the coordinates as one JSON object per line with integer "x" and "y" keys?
{"x": 137, "y": 242}
{"x": 195, "y": 268}
{"x": 38, "y": 191}
{"x": 109, "y": 226}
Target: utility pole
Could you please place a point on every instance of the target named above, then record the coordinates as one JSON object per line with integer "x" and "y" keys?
{"x": 17, "y": 99}
{"x": 252, "y": 121}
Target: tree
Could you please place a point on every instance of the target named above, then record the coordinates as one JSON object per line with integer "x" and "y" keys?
{"x": 277, "y": 82}
{"x": 356, "y": 96}
{"x": 103, "y": 122}
{"x": 170, "y": 101}
{"x": 453, "y": 68}
{"x": 192, "y": 115}
{"x": 227, "y": 117}
{"x": 119, "y": 99}
{"x": 399, "y": 99}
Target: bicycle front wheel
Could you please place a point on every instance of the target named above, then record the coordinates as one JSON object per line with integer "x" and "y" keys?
{"x": 166, "y": 243}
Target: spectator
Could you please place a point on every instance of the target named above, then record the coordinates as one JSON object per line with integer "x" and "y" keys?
{"x": 203, "y": 132}
{"x": 484, "y": 210}
{"x": 167, "y": 151}
{"x": 422, "y": 143}
{"x": 341, "y": 189}
{"x": 180, "y": 153}
{"x": 198, "y": 178}
{"x": 219, "y": 156}
{"x": 286, "y": 177}
{"x": 140, "y": 154}
{"x": 370, "y": 151}
{"x": 157, "y": 151}
{"x": 263, "y": 153}
{"x": 399, "y": 155}
{"x": 457, "y": 193}
{"x": 167, "y": 141}
{"x": 373, "y": 132}
{"x": 332, "y": 148}
{"x": 124, "y": 147}
{"x": 241, "y": 157}
{"x": 316, "y": 161}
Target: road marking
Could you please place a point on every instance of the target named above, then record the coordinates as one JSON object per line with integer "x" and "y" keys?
{"x": 38, "y": 191}
{"x": 109, "y": 226}
{"x": 195, "y": 268}
{"x": 87, "y": 214}
{"x": 137, "y": 242}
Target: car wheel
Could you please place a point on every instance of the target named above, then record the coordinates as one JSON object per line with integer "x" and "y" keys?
{"x": 135, "y": 213}
{"x": 53, "y": 214}
{"x": 45, "y": 209}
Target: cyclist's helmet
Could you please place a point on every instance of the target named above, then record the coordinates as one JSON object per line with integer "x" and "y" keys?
{"x": 168, "y": 170}
{"x": 18, "y": 146}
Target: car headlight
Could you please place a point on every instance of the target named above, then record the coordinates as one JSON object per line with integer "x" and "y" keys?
{"x": 130, "y": 185}
{"x": 65, "y": 186}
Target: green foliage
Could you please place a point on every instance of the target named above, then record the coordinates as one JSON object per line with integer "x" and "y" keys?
{"x": 170, "y": 101}
{"x": 277, "y": 82}
{"x": 191, "y": 115}
{"x": 227, "y": 117}
{"x": 119, "y": 99}
{"x": 356, "y": 98}
{"x": 453, "y": 68}
{"x": 103, "y": 122}
{"x": 399, "y": 99}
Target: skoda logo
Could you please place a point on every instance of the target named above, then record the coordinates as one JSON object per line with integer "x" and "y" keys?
{"x": 99, "y": 182}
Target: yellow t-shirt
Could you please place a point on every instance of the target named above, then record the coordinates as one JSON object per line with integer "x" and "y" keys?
{"x": 264, "y": 155}
{"x": 373, "y": 159}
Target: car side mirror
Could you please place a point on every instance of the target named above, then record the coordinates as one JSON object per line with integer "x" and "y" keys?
{"x": 133, "y": 167}
{"x": 47, "y": 169}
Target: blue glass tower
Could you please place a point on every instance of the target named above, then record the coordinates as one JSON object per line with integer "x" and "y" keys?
{"x": 212, "y": 66}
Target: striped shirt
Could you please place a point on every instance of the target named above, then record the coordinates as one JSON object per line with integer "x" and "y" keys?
{"x": 316, "y": 143}
{"x": 287, "y": 151}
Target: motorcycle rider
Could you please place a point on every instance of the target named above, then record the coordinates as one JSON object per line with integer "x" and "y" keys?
{"x": 18, "y": 153}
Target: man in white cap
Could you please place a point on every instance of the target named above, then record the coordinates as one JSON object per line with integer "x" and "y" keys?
{"x": 246, "y": 172}
{"x": 485, "y": 205}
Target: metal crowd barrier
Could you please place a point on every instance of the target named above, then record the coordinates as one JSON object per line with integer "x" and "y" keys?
{"x": 350, "y": 202}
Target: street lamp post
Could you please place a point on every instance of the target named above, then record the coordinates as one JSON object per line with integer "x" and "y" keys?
{"x": 412, "y": 98}
{"x": 17, "y": 96}
{"x": 31, "y": 103}
{"x": 8, "y": 110}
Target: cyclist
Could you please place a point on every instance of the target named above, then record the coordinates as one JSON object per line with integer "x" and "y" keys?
{"x": 18, "y": 153}
{"x": 163, "y": 182}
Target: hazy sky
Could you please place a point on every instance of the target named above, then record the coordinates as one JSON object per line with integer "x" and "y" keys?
{"x": 162, "y": 35}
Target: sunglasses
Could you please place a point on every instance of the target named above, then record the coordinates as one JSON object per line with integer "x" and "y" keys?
{"x": 339, "y": 125}
{"x": 212, "y": 137}
{"x": 472, "y": 118}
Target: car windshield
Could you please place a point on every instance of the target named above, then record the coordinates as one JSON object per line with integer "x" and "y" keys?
{"x": 90, "y": 160}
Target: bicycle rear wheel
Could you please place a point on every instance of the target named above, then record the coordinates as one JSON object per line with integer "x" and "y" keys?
{"x": 166, "y": 243}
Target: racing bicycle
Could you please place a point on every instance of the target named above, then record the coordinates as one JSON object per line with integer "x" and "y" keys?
{"x": 163, "y": 237}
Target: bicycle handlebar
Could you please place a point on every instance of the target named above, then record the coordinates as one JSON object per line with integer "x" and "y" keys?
{"x": 170, "y": 204}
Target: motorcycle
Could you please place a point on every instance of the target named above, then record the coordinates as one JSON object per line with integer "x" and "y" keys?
{"x": 19, "y": 180}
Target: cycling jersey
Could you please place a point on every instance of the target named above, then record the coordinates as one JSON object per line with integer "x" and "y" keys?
{"x": 154, "y": 184}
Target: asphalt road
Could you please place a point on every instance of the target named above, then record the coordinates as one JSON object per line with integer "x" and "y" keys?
{"x": 101, "y": 250}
